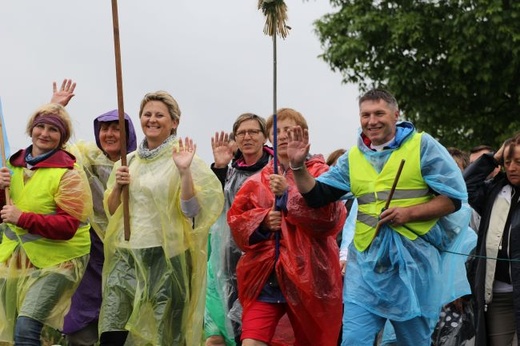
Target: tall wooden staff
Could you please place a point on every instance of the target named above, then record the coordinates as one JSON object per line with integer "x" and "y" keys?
{"x": 3, "y": 151}
{"x": 275, "y": 12}
{"x": 121, "y": 114}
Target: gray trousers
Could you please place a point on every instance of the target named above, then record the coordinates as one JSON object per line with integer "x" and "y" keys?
{"x": 500, "y": 320}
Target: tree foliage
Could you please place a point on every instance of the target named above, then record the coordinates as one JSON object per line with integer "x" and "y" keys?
{"x": 453, "y": 65}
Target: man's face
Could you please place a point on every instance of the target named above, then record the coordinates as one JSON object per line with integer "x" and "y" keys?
{"x": 378, "y": 120}
{"x": 512, "y": 165}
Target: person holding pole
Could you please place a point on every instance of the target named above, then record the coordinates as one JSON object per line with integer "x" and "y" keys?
{"x": 97, "y": 159}
{"x": 297, "y": 272}
{"x": 46, "y": 242}
{"x": 400, "y": 274}
{"x": 154, "y": 283}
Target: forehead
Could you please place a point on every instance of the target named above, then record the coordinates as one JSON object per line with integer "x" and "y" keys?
{"x": 249, "y": 124}
{"x": 371, "y": 105}
{"x": 156, "y": 106}
{"x": 108, "y": 124}
{"x": 286, "y": 122}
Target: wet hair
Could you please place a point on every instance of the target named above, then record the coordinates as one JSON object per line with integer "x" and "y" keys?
{"x": 460, "y": 156}
{"x": 249, "y": 116}
{"x": 54, "y": 112}
{"x": 334, "y": 156}
{"x": 168, "y": 100}
{"x": 288, "y": 113}
{"x": 379, "y": 94}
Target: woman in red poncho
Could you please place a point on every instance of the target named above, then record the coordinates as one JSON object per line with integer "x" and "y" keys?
{"x": 290, "y": 255}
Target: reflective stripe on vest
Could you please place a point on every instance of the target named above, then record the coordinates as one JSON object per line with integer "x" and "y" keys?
{"x": 25, "y": 238}
{"x": 398, "y": 194}
{"x": 372, "y": 190}
{"x": 37, "y": 194}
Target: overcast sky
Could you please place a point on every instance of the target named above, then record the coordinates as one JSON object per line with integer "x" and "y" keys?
{"x": 212, "y": 56}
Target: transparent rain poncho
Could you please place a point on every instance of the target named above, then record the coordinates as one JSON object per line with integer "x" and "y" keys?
{"x": 97, "y": 167}
{"x": 37, "y": 287}
{"x": 222, "y": 305}
{"x": 154, "y": 284}
{"x": 398, "y": 278}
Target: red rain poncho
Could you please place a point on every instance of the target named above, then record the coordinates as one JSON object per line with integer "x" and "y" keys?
{"x": 307, "y": 269}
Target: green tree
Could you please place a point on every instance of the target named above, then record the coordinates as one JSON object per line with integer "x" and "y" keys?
{"x": 453, "y": 65}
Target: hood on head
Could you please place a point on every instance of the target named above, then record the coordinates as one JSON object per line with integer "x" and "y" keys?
{"x": 131, "y": 139}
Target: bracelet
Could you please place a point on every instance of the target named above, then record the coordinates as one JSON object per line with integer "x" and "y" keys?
{"x": 296, "y": 168}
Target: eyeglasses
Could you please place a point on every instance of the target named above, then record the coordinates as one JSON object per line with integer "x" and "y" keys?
{"x": 241, "y": 134}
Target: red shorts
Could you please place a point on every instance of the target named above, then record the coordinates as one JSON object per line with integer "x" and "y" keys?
{"x": 260, "y": 320}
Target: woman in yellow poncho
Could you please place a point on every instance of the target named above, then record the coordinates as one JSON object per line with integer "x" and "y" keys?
{"x": 45, "y": 245}
{"x": 153, "y": 284}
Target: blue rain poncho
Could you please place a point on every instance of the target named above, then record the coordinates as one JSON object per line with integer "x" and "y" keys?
{"x": 395, "y": 277}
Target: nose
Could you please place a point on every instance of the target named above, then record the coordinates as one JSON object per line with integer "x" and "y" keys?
{"x": 372, "y": 119}
{"x": 111, "y": 132}
{"x": 248, "y": 134}
{"x": 45, "y": 132}
{"x": 283, "y": 133}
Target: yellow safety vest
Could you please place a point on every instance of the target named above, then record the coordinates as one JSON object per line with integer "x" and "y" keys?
{"x": 372, "y": 190}
{"x": 37, "y": 196}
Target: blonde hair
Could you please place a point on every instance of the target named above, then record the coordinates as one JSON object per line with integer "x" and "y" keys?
{"x": 169, "y": 102}
{"x": 56, "y": 110}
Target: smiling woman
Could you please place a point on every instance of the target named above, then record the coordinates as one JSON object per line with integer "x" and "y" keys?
{"x": 45, "y": 245}
{"x": 153, "y": 281}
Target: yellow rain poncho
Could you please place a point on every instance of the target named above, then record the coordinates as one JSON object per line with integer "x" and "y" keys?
{"x": 38, "y": 275}
{"x": 154, "y": 284}
{"x": 97, "y": 167}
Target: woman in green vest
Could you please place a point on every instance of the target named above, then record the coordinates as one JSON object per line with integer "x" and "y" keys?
{"x": 46, "y": 240}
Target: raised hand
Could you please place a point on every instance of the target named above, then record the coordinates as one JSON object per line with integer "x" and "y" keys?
{"x": 183, "y": 155}
{"x": 222, "y": 149}
{"x": 64, "y": 94}
{"x": 298, "y": 146}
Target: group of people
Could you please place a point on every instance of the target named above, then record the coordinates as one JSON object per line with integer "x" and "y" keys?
{"x": 164, "y": 249}
{"x": 65, "y": 260}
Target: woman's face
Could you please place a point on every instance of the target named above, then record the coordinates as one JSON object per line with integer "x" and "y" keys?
{"x": 109, "y": 136}
{"x": 283, "y": 128}
{"x": 156, "y": 123}
{"x": 45, "y": 137}
{"x": 249, "y": 137}
{"x": 512, "y": 164}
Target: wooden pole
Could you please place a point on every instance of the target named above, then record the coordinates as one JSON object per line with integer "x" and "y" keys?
{"x": 121, "y": 115}
{"x": 390, "y": 195}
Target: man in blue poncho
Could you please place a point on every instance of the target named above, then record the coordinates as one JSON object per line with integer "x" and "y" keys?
{"x": 401, "y": 273}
